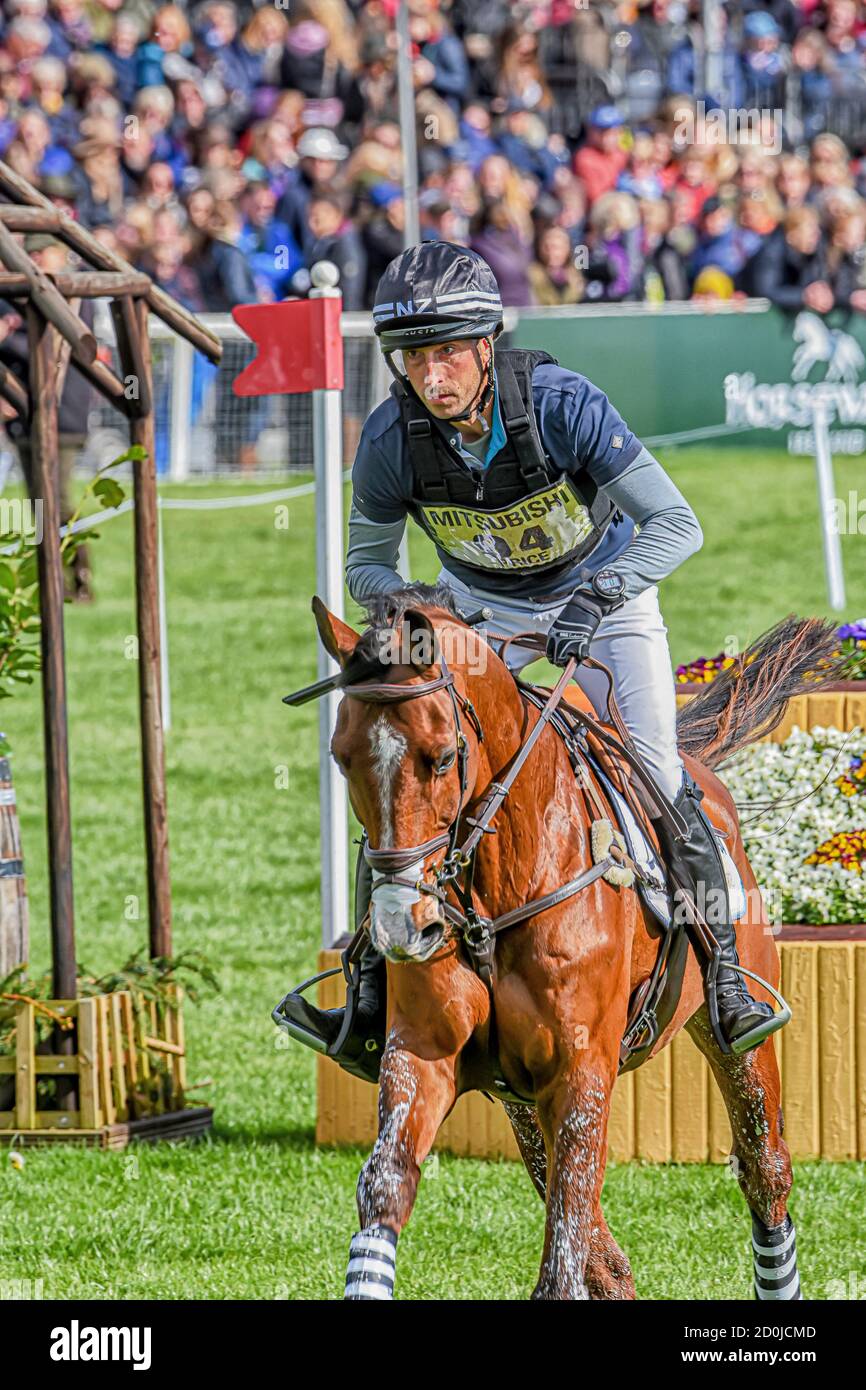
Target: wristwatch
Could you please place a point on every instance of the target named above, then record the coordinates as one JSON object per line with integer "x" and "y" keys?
{"x": 608, "y": 585}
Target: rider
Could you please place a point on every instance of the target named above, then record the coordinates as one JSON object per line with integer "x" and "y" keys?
{"x": 532, "y": 488}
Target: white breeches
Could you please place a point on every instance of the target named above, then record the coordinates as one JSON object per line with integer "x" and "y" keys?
{"x": 632, "y": 643}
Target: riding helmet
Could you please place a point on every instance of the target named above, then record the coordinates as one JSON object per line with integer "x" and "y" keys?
{"x": 434, "y": 292}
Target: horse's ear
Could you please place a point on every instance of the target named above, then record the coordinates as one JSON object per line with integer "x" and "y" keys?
{"x": 338, "y": 639}
{"x": 419, "y": 639}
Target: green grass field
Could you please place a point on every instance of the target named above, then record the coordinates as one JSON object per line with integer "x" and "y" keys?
{"x": 257, "y": 1211}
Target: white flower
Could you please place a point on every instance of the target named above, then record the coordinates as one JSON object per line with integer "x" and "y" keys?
{"x": 801, "y": 774}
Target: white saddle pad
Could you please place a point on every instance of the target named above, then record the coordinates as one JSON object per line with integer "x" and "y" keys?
{"x": 656, "y": 894}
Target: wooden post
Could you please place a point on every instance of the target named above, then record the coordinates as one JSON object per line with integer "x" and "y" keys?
{"x": 25, "y": 1068}
{"x": 147, "y": 614}
{"x": 46, "y": 472}
{"x": 132, "y": 364}
{"x": 48, "y": 299}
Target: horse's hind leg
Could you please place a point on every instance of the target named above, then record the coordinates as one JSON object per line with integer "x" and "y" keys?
{"x": 750, "y": 1088}
{"x": 530, "y": 1141}
{"x": 608, "y": 1272}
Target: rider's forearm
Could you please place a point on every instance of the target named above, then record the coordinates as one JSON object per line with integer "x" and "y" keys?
{"x": 371, "y": 560}
{"x": 669, "y": 530}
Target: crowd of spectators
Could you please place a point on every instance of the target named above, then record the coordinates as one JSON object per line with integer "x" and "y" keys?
{"x": 224, "y": 148}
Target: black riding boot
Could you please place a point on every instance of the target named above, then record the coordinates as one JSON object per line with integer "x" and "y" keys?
{"x": 743, "y": 1021}
{"x": 355, "y": 1035}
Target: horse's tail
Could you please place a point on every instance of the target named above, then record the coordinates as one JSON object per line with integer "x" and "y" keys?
{"x": 798, "y": 656}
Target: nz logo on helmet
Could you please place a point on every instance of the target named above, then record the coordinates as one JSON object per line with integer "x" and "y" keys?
{"x": 411, "y": 307}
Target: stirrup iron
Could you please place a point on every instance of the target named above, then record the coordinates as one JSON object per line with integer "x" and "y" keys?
{"x": 290, "y": 1026}
{"x": 764, "y": 1030}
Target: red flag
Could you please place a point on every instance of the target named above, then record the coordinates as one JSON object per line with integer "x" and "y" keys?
{"x": 299, "y": 343}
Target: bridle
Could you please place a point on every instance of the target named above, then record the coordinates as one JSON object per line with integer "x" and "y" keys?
{"x": 458, "y": 866}
{"x": 390, "y": 862}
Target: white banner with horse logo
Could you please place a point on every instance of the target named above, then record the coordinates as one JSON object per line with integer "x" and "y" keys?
{"x": 841, "y": 395}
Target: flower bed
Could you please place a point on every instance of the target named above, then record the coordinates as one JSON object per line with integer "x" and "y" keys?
{"x": 852, "y": 646}
{"x": 808, "y": 852}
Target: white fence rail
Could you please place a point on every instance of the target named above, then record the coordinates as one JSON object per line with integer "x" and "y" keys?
{"x": 204, "y": 430}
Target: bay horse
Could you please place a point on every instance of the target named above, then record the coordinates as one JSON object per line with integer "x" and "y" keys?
{"x": 415, "y": 768}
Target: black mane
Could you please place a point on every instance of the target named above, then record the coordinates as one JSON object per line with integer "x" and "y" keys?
{"x": 383, "y": 610}
{"x": 388, "y": 610}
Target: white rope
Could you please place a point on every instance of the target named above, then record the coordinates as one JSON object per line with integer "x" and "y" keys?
{"x": 205, "y": 504}
{"x": 658, "y": 441}
{"x": 86, "y": 523}
{"x": 212, "y": 504}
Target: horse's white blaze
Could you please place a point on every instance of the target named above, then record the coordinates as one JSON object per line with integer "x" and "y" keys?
{"x": 389, "y": 749}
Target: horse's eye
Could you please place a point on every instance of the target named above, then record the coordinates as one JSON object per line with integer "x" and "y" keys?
{"x": 446, "y": 761}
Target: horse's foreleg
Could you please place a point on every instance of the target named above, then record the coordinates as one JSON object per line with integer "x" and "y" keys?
{"x": 750, "y": 1088}
{"x": 608, "y": 1272}
{"x": 573, "y": 1115}
{"x": 414, "y": 1097}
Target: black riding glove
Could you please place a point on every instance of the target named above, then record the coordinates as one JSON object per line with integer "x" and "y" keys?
{"x": 573, "y": 631}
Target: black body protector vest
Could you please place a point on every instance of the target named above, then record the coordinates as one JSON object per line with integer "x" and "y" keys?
{"x": 522, "y": 512}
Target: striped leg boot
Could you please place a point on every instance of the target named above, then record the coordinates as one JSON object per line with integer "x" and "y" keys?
{"x": 774, "y": 1249}
{"x": 372, "y": 1262}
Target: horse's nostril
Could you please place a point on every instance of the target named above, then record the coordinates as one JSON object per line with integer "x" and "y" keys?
{"x": 400, "y": 940}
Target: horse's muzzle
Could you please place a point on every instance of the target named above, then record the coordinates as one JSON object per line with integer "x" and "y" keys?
{"x": 396, "y": 937}
{"x": 405, "y": 924}
{"x": 395, "y": 930}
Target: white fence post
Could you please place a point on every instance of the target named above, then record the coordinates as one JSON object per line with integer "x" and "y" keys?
{"x": 826, "y": 497}
{"x": 180, "y": 432}
{"x": 328, "y": 462}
